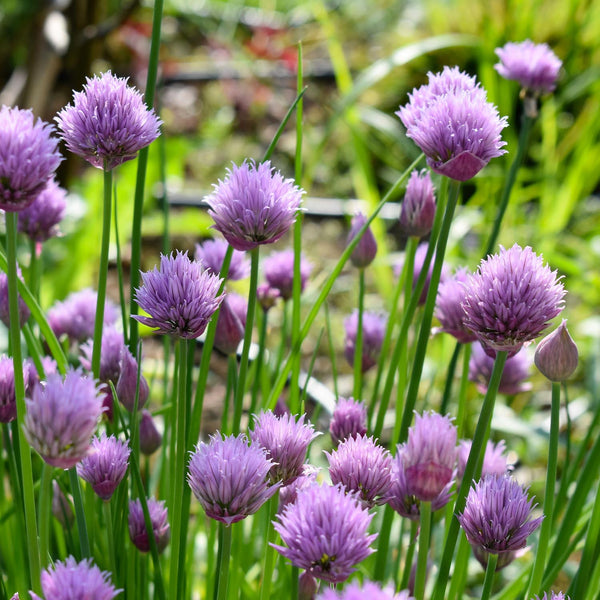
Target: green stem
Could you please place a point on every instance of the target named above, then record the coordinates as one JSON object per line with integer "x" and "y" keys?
{"x": 262, "y": 340}
{"x": 34, "y": 270}
{"x": 229, "y": 390}
{"x": 410, "y": 552}
{"x": 450, "y": 379}
{"x": 462, "y": 392}
{"x": 424, "y": 534}
{"x": 122, "y": 302}
{"x": 358, "y": 350}
{"x": 44, "y": 510}
{"x": 295, "y": 580}
{"x": 223, "y": 561}
{"x": 383, "y": 543}
{"x": 24, "y": 449}
{"x": 477, "y": 447}
{"x": 457, "y": 582}
{"x": 110, "y": 536}
{"x": 268, "y": 551}
{"x": 490, "y": 573}
{"x": 84, "y": 542}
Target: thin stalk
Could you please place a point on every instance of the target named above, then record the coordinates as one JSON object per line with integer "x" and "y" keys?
{"x": 410, "y": 552}
{"x": 383, "y": 543}
{"x": 358, "y": 344}
{"x": 424, "y": 535}
{"x": 546, "y": 529}
{"x": 222, "y": 571}
{"x": 84, "y": 542}
{"x": 44, "y": 510}
{"x": 450, "y": 379}
{"x": 332, "y": 354}
{"x": 457, "y": 581}
{"x": 295, "y": 580}
{"x": 490, "y": 573}
{"x": 122, "y": 302}
{"x": 35, "y": 268}
{"x": 477, "y": 448}
{"x": 462, "y": 392}
{"x": 110, "y": 536}
{"x": 24, "y": 449}
{"x": 229, "y": 390}
{"x": 269, "y": 552}
{"x": 262, "y": 340}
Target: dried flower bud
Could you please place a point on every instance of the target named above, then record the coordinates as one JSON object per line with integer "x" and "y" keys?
{"x": 556, "y": 355}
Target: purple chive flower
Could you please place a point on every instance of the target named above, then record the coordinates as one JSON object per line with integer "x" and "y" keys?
{"x": 349, "y": 419}
{"x": 429, "y": 456}
{"x": 230, "y": 477}
{"x": 61, "y": 507}
{"x": 108, "y": 123}
{"x": 365, "y": 251}
{"x": 211, "y": 254}
{"x": 514, "y": 375}
{"x": 534, "y": 66}
{"x": 113, "y": 343}
{"x": 254, "y": 205}
{"x": 497, "y": 518}
{"x": 74, "y": 317}
{"x": 326, "y": 532}
{"x": 137, "y": 526}
{"x": 278, "y": 269}
{"x": 24, "y": 311}
{"x": 127, "y": 383}
{"x": 373, "y": 333}
{"x": 230, "y": 329}
{"x": 8, "y": 399}
{"x": 180, "y": 298}
{"x": 105, "y": 465}
{"x": 495, "y": 461}
{"x": 150, "y": 436}
{"x": 267, "y": 296}
{"x": 28, "y": 157}
{"x": 289, "y": 493}
{"x": 62, "y": 417}
{"x": 511, "y": 299}
{"x": 553, "y": 596}
{"x": 32, "y": 378}
{"x": 556, "y": 356}
{"x": 368, "y": 589}
{"x": 70, "y": 580}
{"x": 286, "y": 440}
{"x": 455, "y": 126}
{"x": 418, "y": 207}
{"x": 448, "y": 307}
{"x": 362, "y": 466}
{"x": 39, "y": 221}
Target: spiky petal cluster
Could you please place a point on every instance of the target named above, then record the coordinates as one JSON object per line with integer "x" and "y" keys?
{"x": 429, "y": 456}
{"x": 72, "y": 580}
{"x": 553, "y": 596}
{"x": 180, "y": 297}
{"x": 39, "y": 221}
{"x": 557, "y": 356}
{"x": 137, "y": 526}
{"x": 534, "y": 66}
{"x": 373, "y": 326}
{"x": 448, "y": 307}
{"x": 286, "y": 440}
{"x": 362, "y": 466}
{"x": 418, "y": 207}
{"x": 289, "y": 493}
{"x": 326, "y": 532}
{"x": 211, "y": 254}
{"x": 368, "y": 589}
{"x": 278, "y": 269}
{"x": 8, "y": 399}
{"x": 365, "y": 251}
{"x": 108, "y": 122}
{"x": 511, "y": 299}
{"x": 495, "y": 461}
{"x": 24, "y": 311}
{"x": 349, "y": 419}
{"x": 514, "y": 375}
{"x": 105, "y": 465}
{"x": 62, "y": 417}
{"x": 497, "y": 518}
{"x": 455, "y": 126}
{"x": 28, "y": 157}
{"x": 254, "y": 205}
{"x": 230, "y": 477}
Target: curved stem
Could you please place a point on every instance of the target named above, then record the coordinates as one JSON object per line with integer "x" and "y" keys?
{"x": 490, "y": 573}
{"x": 358, "y": 344}
{"x": 424, "y": 533}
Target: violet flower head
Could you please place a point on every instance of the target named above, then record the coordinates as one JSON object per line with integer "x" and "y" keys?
{"x": 254, "y": 205}
{"x": 108, "y": 122}
{"x": 455, "y": 126}
{"x": 230, "y": 477}
{"x": 373, "y": 334}
{"x": 32, "y": 377}
{"x": 211, "y": 254}
{"x": 517, "y": 369}
{"x": 127, "y": 382}
{"x": 448, "y": 307}
{"x": 418, "y": 207}
{"x": 39, "y": 221}
{"x": 556, "y": 356}
{"x": 72, "y": 580}
{"x": 365, "y": 251}
{"x": 349, "y": 419}
{"x": 113, "y": 343}
{"x": 368, "y": 589}
{"x": 534, "y": 66}
{"x": 137, "y": 526}
{"x": 497, "y": 518}
{"x": 150, "y": 436}
{"x": 286, "y": 440}
{"x": 8, "y": 399}
{"x": 326, "y": 532}
{"x": 62, "y": 417}
{"x": 180, "y": 297}
{"x": 511, "y": 299}
{"x": 24, "y": 312}
{"x": 495, "y": 461}
{"x": 230, "y": 330}
{"x": 289, "y": 493}
{"x": 278, "y": 269}
{"x": 267, "y": 296}
{"x": 429, "y": 457}
{"x": 28, "y": 157}
{"x": 553, "y": 596}
{"x": 362, "y": 466}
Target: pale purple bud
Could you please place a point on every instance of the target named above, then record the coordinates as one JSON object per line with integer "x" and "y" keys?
{"x": 8, "y": 398}
{"x": 212, "y": 253}
{"x": 267, "y": 296}
{"x": 368, "y": 589}
{"x": 39, "y": 221}
{"x": 24, "y": 311}
{"x": 448, "y": 307}
{"x": 373, "y": 327}
{"x": 556, "y": 355}
{"x": 418, "y": 207}
{"x": 365, "y": 251}
{"x": 307, "y": 586}
{"x": 495, "y": 461}
{"x": 150, "y": 436}
{"x": 137, "y": 526}
{"x": 278, "y": 269}
{"x": 127, "y": 383}
{"x": 349, "y": 419}
{"x": 230, "y": 330}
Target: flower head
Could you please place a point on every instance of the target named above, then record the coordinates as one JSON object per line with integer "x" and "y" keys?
{"x": 24, "y": 311}
{"x": 289, "y": 493}
{"x": 448, "y": 307}
{"x": 278, "y": 269}
{"x": 39, "y": 221}
{"x": 62, "y": 417}
{"x": 254, "y": 205}
{"x": 230, "y": 477}
{"x": 556, "y": 356}
{"x": 267, "y": 296}
{"x": 418, "y": 207}
{"x": 230, "y": 329}
{"x": 497, "y": 518}
{"x": 365, "y": 251}
{"x": 553, "y": 596}
{"x": 326, "y": 532}
{"x": 373, "y": 333}
{"x": 349, "y": 419}
{"x": 105, "y": 465}
{"x": 495, "y": 461}
{"x": 286, "y": 441}
{"x": 108, "y": 123}
{"x": 211, "y": 254}
{"x": 368, "y": 589}
{"x": 455, "y": 126}
{"x": 511, "y": 299}
{"x": 137, "y": 526}
{"x": 534, "y": 66}
{"x": 28, "y": 157}
{"x": 8, "y": 399}
{"x": 362, "y": 466}
{"x": 180, "y": 298}
{"x": 127, "y": 383}
{"x": 113, "y": 343}
{"x": 517, "y": 369}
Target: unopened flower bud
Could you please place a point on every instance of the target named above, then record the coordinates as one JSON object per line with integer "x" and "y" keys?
{"x": 365, "y": 251}
{"x": 230, "y": 330}
{"x": 150, "y": 437}
{"x": 418, "y": 207}
{"x": 556, "y": 355}
{"x": 307, "y": 586}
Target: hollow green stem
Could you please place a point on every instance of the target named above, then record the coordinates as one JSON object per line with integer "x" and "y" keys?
{"x": 457, "y": 582}
{"x": 383, "y": 543}
{"x": 44, "y": 510}
{"x": 358, "y": 345}
{"x": 490, "y": 573}
{"x": 410, "y": 553}
{"x": 110, "y": 536}
{"x": 262, "y": 340}
{"x": 35, "y": 268}
{"x": 84, "y": 542}
{"x": 462, "y": 392}
{"x": 449, "y": 379}
{"x": 424, "y": 534}
{"x": 222, "y": 572}
{"x": 269, "y": 552}
{"x": 229, "y": 390}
